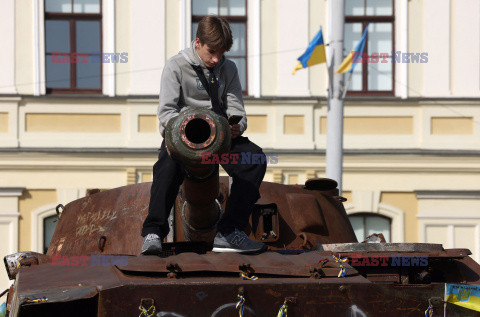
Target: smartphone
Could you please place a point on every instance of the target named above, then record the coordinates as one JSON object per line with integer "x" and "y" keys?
{"x": 234, "y": 119}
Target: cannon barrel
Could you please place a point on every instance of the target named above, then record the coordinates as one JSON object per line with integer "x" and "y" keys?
{"x": 188, "y": 137}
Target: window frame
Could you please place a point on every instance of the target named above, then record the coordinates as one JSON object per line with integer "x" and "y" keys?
{"x": 364, "y": 215}
{"x": 72, "y": 18}
{"x": 231, "y": 19}
{"x": 365, "y": 19}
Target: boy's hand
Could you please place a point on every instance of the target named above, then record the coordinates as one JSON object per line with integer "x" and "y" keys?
{"x": 235, "y": 130}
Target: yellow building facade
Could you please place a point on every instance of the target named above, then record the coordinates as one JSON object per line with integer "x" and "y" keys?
{"x": 411, "y": 152}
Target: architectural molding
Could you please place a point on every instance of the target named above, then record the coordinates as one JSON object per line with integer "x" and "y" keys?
{"x": 12, "y": 225}
{"x": 131, "y": 176}
{"x": 421, "y": 216}
{"x": 449, "y": 224}
{"x": 11, "y": 191}
{"x": 447, "y": 194}
{"x": 9, "y": 214}
{"x": 278, "y": 176}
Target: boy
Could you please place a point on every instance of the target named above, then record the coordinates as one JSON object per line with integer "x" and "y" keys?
{"x": 182, "y": 87}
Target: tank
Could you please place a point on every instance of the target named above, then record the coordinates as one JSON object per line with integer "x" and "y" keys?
{"x": 314, "y": 264}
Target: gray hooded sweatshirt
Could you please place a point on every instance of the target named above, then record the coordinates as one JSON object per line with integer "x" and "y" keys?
{"x": 181, "y": 88}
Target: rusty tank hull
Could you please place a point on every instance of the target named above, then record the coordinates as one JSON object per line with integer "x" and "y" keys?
{"x": 95, "y": 269}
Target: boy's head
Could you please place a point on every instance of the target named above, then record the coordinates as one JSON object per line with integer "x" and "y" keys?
{"x": 215, "y": 32}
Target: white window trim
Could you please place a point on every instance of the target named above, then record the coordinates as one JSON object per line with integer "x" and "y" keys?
{"x": 108, "y": 45}
{"x": 38, "y": 215}
{"x": 395, "y": 214}
{"x": 39, "y": 72}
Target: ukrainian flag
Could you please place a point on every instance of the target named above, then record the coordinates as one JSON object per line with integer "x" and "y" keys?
{"x": 348, "y": 63}
{"x": 315, "y": 53}
{"x": 467, "y": 296}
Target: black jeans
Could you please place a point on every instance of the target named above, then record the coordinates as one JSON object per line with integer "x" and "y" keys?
{"x": 247, "y": 177}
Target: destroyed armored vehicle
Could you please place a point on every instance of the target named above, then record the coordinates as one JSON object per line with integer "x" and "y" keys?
{"x": 314, "y": 266}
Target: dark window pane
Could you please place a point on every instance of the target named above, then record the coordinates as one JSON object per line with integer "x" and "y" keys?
{"x": 88, "y": 36}
{"x": 88, "y": 74}
{"x": 194, "y": 30}
{"x": 232, "y": 7}
{"x": 239, "y": 42}
{"x": 355, "y": 7}
{"x": 57, "y": 36}
{"x": 379, "y": 7}
{"x": 58, "y": 74}
{"x": 242, "y": 70}
{"x": 204, "y": 7}
{"x": 62, "y": 6}
{"x": 49, "y": 225}
{"x": 86, "y": 6}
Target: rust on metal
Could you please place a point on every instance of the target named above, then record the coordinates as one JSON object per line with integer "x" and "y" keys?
{"x": 199, "y": 119}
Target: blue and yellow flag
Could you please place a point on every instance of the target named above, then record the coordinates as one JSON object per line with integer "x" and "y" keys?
{"x": 315, "y": 53}
{"x": 467, "y": 296}
{"x": 349, "y": 63}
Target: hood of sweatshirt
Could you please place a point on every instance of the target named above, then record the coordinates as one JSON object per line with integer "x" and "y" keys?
{"x": 193, "y": 58}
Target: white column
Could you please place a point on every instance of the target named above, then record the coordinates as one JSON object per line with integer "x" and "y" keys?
{"x": 108, "y": 79}
{"x": 183, "y": 24}
{"x": 403, "y": 67}
{"x": 293, "y": 39}
{"x": 7, "y": 53}
{"x": 436, "y": 80}
{"x": 254, "y": 48}
{"x": 8, "y": 226}
{"x": 148, "y": 43}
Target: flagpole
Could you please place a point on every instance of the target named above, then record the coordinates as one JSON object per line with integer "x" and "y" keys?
{"x": 334, "y": 150}
{"x": 346, "y": 86}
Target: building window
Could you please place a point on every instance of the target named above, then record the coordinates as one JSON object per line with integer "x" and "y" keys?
{"x": 375, "y": 75}
{"x": 235, "y": 12}
{"x": 49, "y": 225}
{"x": 366, "y": 224}
{"x": 73, "y": 33}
